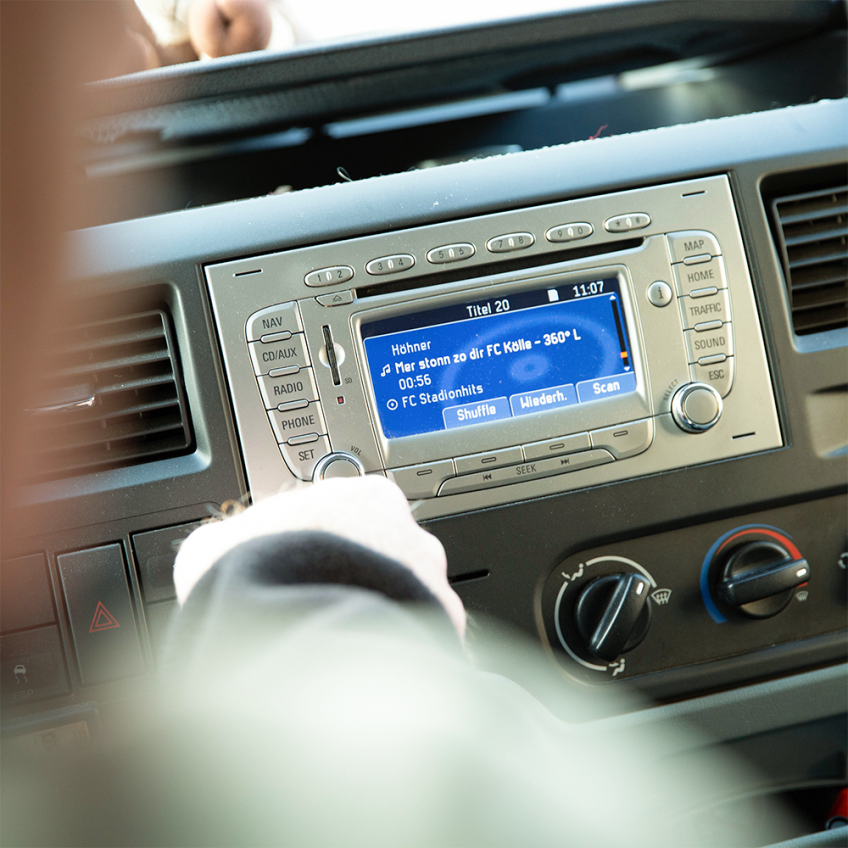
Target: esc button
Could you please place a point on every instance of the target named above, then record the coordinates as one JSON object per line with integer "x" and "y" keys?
{"x": 719, "y": 375}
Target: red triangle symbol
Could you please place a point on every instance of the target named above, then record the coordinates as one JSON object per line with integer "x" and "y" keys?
{"x": 102, "y": 620}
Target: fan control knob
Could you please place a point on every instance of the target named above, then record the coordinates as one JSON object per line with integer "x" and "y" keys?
{"x": 696, "y": 407}
{"x": 337, "y": 465}
{"x": 613, "y": 614}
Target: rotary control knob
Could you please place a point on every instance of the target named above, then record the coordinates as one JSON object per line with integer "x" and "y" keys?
{"x": 759, "y": 578}
{"x": 696, "y": 407}
{"x": 613, "y": 614}
{"x": 337, "y": 465}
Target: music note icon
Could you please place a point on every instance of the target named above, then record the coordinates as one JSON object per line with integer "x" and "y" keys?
{"x": 386, "y": 369}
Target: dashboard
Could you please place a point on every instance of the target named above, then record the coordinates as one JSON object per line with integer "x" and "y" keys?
{"x": 608, "y": 372}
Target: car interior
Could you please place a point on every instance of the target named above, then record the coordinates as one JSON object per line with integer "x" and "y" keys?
{"x": 615, "y": 239}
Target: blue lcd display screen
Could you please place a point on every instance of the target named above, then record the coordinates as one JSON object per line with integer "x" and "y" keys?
{"x": 502, "y": 357}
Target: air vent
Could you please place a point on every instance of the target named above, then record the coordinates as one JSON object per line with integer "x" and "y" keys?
{"x": 813, "y": 229}
{"x": 112, "y": 398}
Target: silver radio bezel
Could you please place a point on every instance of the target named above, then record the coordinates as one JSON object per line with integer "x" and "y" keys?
{"x": 748, "y": 425}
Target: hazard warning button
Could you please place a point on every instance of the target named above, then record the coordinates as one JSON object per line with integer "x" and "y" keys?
{"x": 101, "y": 613}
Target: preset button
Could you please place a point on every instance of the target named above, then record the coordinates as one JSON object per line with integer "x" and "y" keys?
{"x": 509, "y": 242}
{"x": 625, "y": 440}
{"x": 422, "y": 481}
{"x": 390, "y": 264}
{"x": 626, "y": 223}
{"x": 332, "y": 276}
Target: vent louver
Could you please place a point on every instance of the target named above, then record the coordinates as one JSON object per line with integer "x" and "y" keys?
{"x": 112, "y": 398}
{"x": 813, "y": 230}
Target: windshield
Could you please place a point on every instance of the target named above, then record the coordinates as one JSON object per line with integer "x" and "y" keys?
{"x": 167, "y": 32}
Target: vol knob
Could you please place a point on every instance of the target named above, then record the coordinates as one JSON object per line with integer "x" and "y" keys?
{"x": 696, "y": 407}
{"x": 613, "y": 614}
{"x": 759, "y": 578}
{"x": 337, "y": 465}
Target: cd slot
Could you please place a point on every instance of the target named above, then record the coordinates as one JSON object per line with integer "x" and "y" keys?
{"x": 499, "y": 266}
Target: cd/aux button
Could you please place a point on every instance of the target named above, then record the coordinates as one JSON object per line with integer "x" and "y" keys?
{"x": 534, "y": 470}
{"x": 422, "y": 481}
{"x": 299, "y": 422}
{"x": 284, "y": 354}
{"x": 490, "y": 459}
{"x": 625, "y": 440}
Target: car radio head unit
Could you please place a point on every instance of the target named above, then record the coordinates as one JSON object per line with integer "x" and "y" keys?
{"x": 508, "y": 356}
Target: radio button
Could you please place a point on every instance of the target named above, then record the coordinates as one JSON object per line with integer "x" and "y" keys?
{"x": 422, "y": 481}
{"x": 688, "y": 244}
{"x": 690, "y": 278}
{"x": 299, "y": 422}
{"x": 625, "y": 440}
{"x": 709, "y": 344}
{"x": 491, "y": 459}
{"x": 297, "y": 386}
{"x": 719, "y": 375}
{"x": 302, "y": 459}
{"x": 275, "y": 319}
{"x": 569, "y": 232}
{"x": 509, "y": 242}
{"x": 626, "y": 223}
{"x": 555, "y": 447}
{"x": 390, "y": 264}
{"x": 451, "y": 253}
{"x": 332, "y": 276}
{"x": 269, "y": 357}
{"x": 705, "y": 309}
{"x": 535, "y": 470}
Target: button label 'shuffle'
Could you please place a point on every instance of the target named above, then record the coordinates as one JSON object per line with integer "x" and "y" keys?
{"x": 476, "y": 413}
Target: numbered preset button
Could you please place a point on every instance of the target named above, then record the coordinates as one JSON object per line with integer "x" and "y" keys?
{"x": 328, "y": 276}
{"x": 451, "y": 253}
{"x": 390, "y": 264}
{"x": 569, "y": 232}
{"x": 626, "y": 223}
{"x": 509, "y": 242}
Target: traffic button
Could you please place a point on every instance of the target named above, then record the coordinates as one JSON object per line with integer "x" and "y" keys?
{"x": 101, "y": 614}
